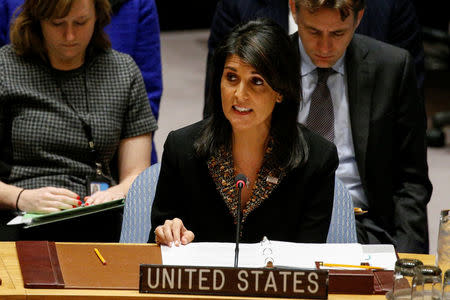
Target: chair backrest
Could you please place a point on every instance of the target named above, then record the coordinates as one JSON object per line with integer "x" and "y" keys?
{"x": 342, "y": 227}
{"x": 136, "y": 224}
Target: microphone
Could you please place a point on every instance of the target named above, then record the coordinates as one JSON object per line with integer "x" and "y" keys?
{"x": 241, "y": 182}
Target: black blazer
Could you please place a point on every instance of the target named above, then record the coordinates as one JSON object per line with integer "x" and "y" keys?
{"x": 388, "y": 127}
{"x": 298, "y": 210}
{"x": 391, "y": 21}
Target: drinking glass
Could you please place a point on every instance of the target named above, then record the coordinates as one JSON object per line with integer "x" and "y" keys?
{"x": 403, "y": 274}
{"x": 446, "y": 288}
{"x": 443, "y": 250}
{"x": 426, "y": 284}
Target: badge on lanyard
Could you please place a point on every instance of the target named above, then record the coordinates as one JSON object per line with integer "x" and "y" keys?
{"x": 97, "y": 182}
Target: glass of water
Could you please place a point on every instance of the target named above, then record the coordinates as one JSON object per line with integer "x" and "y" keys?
{"x": 443, "y": 250}
{"x": 427, "y": 283}
{"x": 446, "y": 288}
{"x": 403, "y": 274}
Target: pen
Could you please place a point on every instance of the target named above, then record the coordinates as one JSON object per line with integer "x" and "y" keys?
{"x": 350, "y": 266}
{"x": 100, "y": 256}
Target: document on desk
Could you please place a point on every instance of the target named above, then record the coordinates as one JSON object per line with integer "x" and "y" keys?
{"x": 283, "y": 254}
{"x": 211, "y": 254}
{"x": 382, "y": 255}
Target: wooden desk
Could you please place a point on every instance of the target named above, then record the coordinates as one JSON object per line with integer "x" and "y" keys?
{"x": 12, "y": 285}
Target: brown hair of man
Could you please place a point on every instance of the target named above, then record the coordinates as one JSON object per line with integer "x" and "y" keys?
{"x": 26, "y": 34}
{"x": 344, "y": 6}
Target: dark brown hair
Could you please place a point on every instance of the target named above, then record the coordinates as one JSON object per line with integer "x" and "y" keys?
{"x": 344, "y": 6}
{"x": 265, "y": 46}
{"x": 26, "y": 33}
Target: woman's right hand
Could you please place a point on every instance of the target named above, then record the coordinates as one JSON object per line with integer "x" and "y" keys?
{"x": 47, "y": 200}
{"x": 173, "y": 232}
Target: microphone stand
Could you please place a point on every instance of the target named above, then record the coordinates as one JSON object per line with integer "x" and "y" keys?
{"x": 238, "y": 225}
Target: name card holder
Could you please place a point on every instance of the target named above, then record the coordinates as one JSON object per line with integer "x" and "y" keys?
{"x": 226, "y": 281}
{"x": 362, "y": 282}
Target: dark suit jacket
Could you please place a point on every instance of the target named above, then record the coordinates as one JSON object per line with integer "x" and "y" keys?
{"x": 388, "y": 127}
{"x": 391, "y": 21}
{"x": 230, "y": 13}
{"x": 298, "y": 210}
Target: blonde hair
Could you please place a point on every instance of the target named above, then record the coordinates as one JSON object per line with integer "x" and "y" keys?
{"x": 26, "y": 33}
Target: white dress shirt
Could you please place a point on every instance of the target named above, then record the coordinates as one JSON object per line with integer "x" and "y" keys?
{"x": 347, "y": 171}
{"x": 292, "y": 25}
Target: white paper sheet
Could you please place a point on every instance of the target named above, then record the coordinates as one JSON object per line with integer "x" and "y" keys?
{"x": 285, "y": 254}
{"x": 305, "y": 255}
{"x": 380, "y": 256}
{"x": 19, "y": 220}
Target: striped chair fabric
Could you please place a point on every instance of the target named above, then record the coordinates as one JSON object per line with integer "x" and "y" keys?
{"x": 342, "y": 227}
{"x": 136, "y": 223}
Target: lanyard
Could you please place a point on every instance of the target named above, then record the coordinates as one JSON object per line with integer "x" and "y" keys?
{"x": 86, "y": 128}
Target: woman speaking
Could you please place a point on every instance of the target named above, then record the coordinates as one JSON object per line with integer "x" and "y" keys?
{"x": 253, "y": 130}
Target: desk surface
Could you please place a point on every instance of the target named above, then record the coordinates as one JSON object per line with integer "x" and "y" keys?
{"x": 12, "y": 284}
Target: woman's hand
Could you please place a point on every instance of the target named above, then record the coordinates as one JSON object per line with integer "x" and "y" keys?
{"x": 104, "y": 196}
{"x": 133, "y": 158}
{"x": 47, "y": 200}
{"x": 173, "y": 231}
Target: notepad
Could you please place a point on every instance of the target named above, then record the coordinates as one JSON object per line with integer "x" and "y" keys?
{"x": 282, "y": 254}
{"x": 32, "y": 220}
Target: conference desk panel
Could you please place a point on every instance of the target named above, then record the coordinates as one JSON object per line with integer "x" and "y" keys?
{"x": 12, "y": 284}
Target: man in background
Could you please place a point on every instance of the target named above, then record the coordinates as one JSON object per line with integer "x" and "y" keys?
{"x": 391, "y": 21}
{"x": 361, "y": 94}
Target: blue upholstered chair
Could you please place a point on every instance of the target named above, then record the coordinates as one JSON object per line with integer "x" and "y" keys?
{"x": 342, "y": 227}
{"x": 136, "y": 223}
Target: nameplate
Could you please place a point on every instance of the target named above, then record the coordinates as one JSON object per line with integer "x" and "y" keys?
{"x": 251, "y": 282}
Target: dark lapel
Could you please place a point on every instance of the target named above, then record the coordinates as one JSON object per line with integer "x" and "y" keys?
{"x": 294, "y": 39}
{"x": 360, "y": 82}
